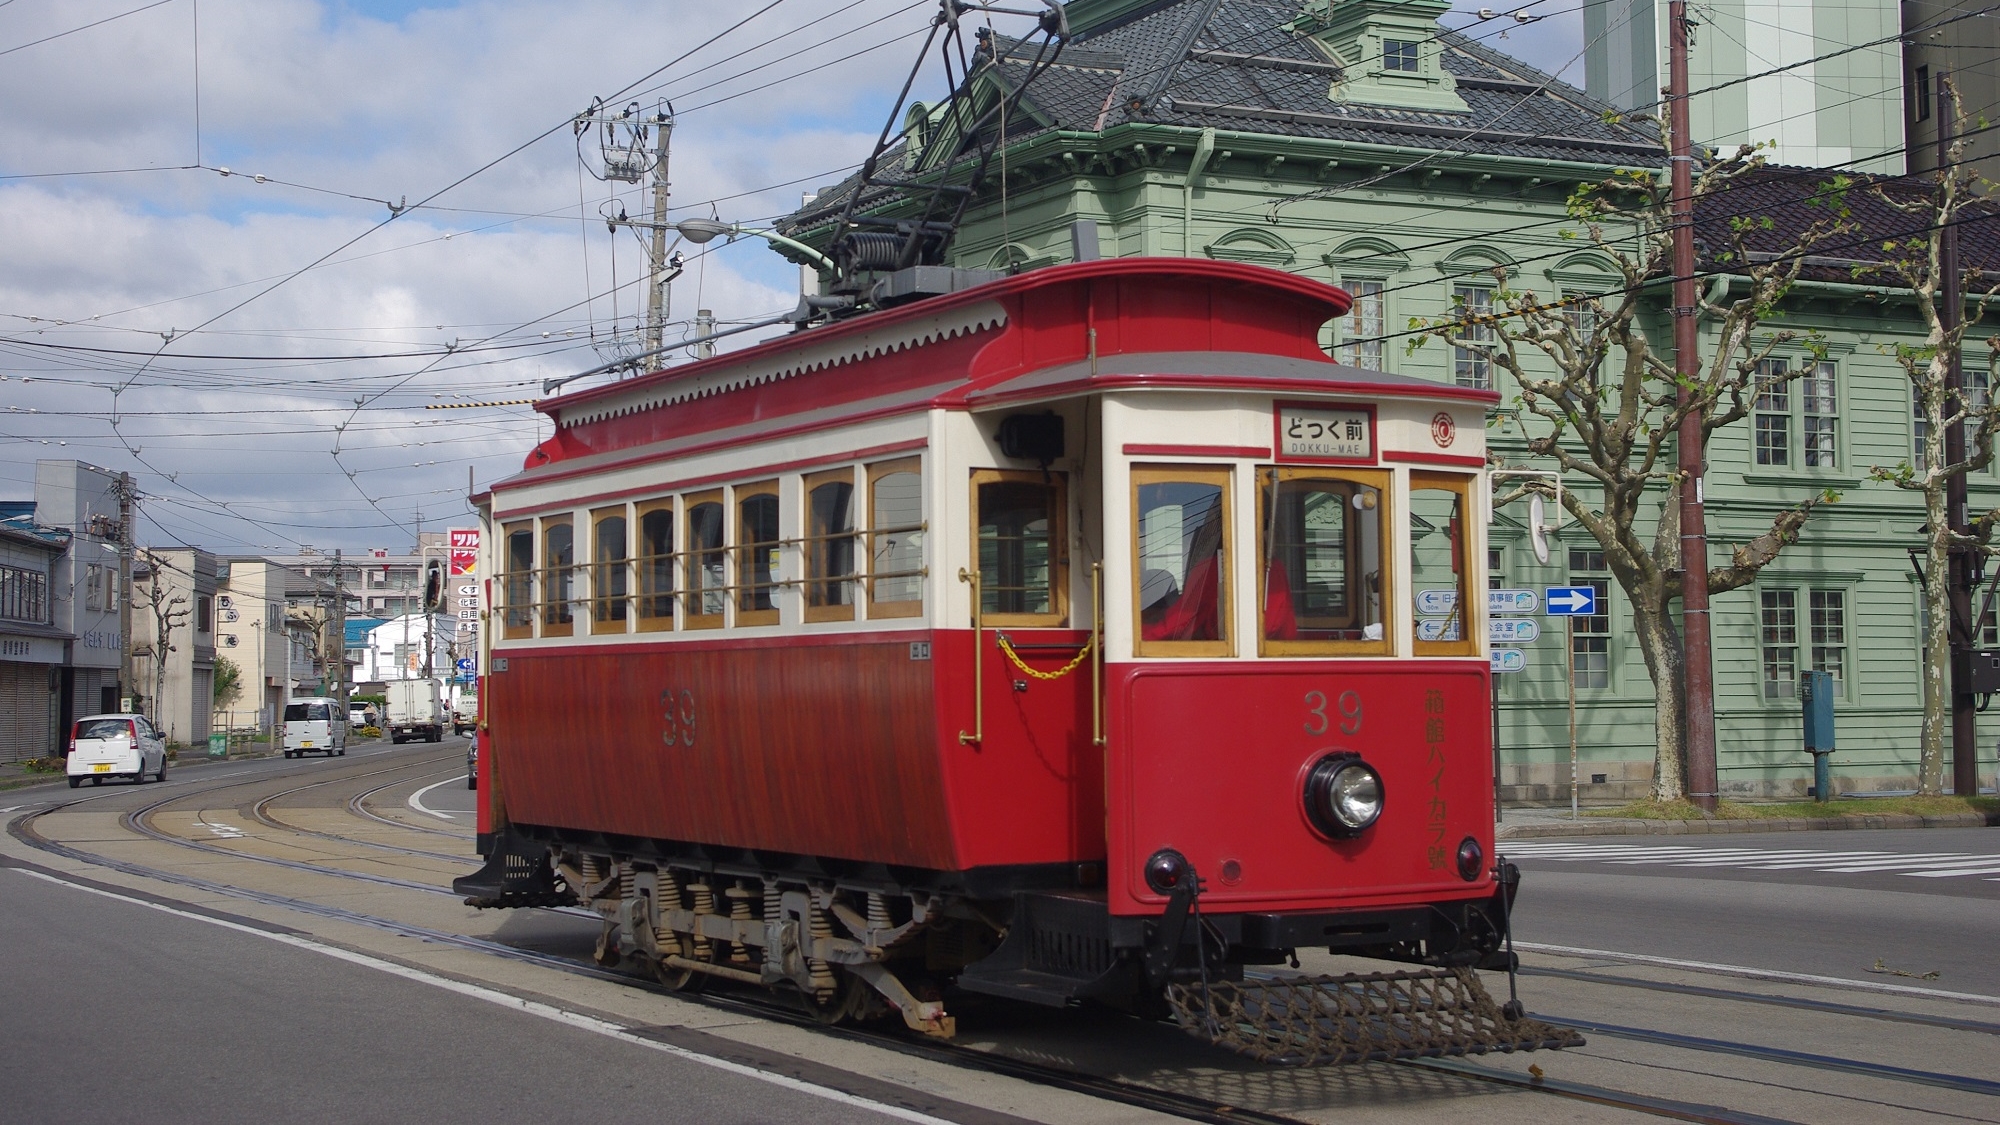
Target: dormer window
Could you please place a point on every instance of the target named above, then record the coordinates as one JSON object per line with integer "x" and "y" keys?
{"x": 1399, "y": 54}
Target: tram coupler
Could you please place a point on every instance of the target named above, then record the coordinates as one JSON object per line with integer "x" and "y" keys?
{"x": 517, "y": 873}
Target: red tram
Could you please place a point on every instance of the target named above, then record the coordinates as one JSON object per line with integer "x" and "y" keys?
{"x": 1083, "y": 634}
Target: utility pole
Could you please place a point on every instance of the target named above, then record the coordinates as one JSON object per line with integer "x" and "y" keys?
{"x": 622, "y": 138}
{"x": 1964, "y": 560}
{"x": 1698, "y": 722}
{"x": 126, "y": 676}
{"x": 337, "y": 635}
{"x": 656, "y": 259}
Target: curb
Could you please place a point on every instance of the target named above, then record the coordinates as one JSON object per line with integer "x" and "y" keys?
{"x": 1774, "y": 824}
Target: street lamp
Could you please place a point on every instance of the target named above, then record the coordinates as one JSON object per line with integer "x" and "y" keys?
{"x": 702, "y": 231}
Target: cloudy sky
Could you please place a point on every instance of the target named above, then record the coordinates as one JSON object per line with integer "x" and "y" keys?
{"x": 260, "y": 352}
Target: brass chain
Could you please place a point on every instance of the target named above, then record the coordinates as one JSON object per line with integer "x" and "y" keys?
{"x": 1007, "y": 647}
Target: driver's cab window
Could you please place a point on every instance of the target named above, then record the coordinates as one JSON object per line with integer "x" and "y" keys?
{"x": 1020, "y": 540}
{"x": 1448, "y": 610}
{"x": 1322, "y": 580}
{"x": 1180, "y": 547}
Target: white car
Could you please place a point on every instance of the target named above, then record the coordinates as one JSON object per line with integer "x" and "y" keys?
{"x": 102, "y": 746}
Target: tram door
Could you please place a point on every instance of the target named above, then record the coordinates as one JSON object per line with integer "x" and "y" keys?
{"x": 1036, "y": 609}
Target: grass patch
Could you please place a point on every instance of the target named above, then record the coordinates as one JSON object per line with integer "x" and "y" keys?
{"x": 1838, "y": 807}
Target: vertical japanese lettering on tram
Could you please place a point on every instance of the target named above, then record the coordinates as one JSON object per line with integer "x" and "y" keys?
{"x": 1437, "y": 811}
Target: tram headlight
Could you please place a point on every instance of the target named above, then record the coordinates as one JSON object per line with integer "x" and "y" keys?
{"x": 1343, "y": 795}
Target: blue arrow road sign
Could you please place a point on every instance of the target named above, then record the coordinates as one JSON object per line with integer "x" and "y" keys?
{"x": 1569, "y": 601}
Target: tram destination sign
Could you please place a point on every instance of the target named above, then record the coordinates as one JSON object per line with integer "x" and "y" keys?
{"x": 1324, "y": 432}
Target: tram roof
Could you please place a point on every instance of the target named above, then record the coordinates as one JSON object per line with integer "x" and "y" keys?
{"x": 1156, "y": 323}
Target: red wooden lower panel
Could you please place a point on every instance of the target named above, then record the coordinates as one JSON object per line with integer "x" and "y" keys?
{"x": 839, "y": 746}
{"x": 814, "y": 749}
{"x": 1210, "y": 758}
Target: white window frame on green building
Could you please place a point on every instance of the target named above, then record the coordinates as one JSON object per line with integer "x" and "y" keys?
{"x": 1803, "y": 624}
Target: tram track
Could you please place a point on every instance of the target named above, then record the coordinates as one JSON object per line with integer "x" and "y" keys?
{"x": 262, "y": 813}
{"x": 1178, "y": 1103}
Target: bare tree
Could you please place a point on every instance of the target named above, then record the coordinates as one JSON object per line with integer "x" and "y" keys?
{"x": 169, "y": 612}
{"x": 1598, "y": 397}
{"x": 1916, "y": 261}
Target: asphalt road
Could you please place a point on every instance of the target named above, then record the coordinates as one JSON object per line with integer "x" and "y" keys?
{"x": 1862, "y": 905}
{"x": 120, "y": 1012}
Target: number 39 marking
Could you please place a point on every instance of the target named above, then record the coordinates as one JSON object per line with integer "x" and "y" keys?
{"x": 1350, "y": 713}
{"x": 677, "y": 715}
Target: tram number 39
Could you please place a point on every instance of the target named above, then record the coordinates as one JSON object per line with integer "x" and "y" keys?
{"x": 677, "y": 717}
{"x": 1348, "y": 706}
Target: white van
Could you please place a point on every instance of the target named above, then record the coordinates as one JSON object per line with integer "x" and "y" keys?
{"x": 315, "y": 726}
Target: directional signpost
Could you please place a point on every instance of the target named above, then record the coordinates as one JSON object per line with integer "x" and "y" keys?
{"x": 1570, "y": 603}
{"x": 1500, "y": 603}
{"x": 1509, "y": 660}
{"x": 1512, "y": 631}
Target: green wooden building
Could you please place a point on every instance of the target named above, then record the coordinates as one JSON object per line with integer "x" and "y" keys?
{"x": 1360, "y": 143}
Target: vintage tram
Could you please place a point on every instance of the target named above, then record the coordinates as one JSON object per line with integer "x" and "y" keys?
{"x": 1055, "y": 637}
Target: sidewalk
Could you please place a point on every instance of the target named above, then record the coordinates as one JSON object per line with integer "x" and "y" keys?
{"x": 1532, "y": 823}
{"x": 14, "y": 775}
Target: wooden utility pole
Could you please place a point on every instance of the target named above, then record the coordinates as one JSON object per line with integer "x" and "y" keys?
{"x": 1697, "y": 663}
{"x": 1961, "y": 580}
{"x": 127, "y": 676}
{"x": 337, "y": 637}
{"x": 656, "y": 286}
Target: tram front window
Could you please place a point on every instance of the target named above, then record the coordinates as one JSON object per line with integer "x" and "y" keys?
{"x": 1183, "y": 580}
{"x": 1447, "y": 615}
{"x": 1020, "y": 547}
{"x": 1322, "y": 580}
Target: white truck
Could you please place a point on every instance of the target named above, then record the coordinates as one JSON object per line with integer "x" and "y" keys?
{"x": 416, "y": 710}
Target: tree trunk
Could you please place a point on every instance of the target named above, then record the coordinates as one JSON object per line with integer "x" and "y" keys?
{"x": 1660, "y": 643}
{"x": 1937, "y": 642}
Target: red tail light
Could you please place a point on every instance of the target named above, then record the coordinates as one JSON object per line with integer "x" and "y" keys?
{"x": 131, "y": 736}
{"x": 72, "y": 745}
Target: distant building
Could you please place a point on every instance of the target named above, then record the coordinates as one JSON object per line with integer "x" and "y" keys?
{"x": 1947, "y": 39}
{"x": 1840, "y": 112}
{"x": 274, "y": 651}
{"x": 409, "y": 647}
{"x": 60, "y": 590}
{"x": 173, "y": 632}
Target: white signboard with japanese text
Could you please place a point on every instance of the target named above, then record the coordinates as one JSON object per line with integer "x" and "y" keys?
{"x": 1319, "y": 432}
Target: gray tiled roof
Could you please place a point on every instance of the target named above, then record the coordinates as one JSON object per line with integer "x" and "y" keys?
{"x": 1246, "y": 72}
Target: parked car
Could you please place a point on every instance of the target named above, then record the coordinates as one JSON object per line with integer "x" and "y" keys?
{"x": 360, "y": 715}
{"x": 472, "y": 761}
{"x": 102, "y": 746}
{"x": 315, "y": 726}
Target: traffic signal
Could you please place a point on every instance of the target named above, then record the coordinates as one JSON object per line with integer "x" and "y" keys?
{"x": 433, "y": 585}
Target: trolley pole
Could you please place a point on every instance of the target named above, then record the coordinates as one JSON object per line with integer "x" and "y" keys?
{"x": 1698, "y": 721}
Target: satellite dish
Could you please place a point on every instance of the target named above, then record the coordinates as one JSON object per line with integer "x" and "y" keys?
{"x": 1538, "y": 531}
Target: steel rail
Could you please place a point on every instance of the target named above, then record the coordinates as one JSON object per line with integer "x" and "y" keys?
{"x": 1830, "y": 1007}
{"x": 356, "y": 805}
{"x": 1943, "y": 1081}
{"x": 261, "y": 812}
{"x": 1176, "y": 1103}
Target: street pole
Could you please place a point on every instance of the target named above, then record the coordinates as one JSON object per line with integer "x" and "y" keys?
{"x": 1960, "y": 577}
{"x": 126, "y": 676}
{"x": 1699, "y": 721}
{"x": 1569, "y": 659}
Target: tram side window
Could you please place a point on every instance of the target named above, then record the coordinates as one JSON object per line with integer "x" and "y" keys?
{"x": 1181, "y": 551}
{"x": 757, "y": 553}
{"x": 520, "y": 580}
{"x": 655, "y": 566}
{"x": 1323, "y": 581}
{"x": 610, "y": 572}
{"x": 558, "y": 576}
{"x": 708, "y": 569}
{"x": 830, "y": 546}
{"x": 895, "y": 539}
{"x": 1448, "y": 616}
{"x": 1021, "y": 547}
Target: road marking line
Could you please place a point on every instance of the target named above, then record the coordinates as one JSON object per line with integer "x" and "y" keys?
{"x": 534, "y": 1008}
{"x": 416, "y": 800}
{"x": 1759, "y": 974}
{"x": 1931, "y": 865}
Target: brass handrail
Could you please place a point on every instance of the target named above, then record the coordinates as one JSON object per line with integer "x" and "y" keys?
{"x": 1097, "y": 654}
{"x": 978, "y": 638}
